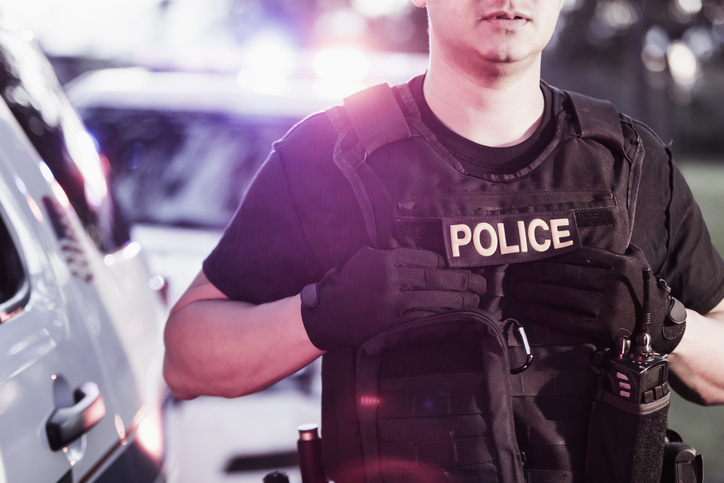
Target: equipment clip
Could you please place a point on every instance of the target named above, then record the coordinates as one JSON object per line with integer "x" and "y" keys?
{"x": 524, "y": 338}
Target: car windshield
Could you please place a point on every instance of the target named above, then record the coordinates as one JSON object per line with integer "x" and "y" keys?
{"x": 29, "y": 87}
{"x": 182, "y": 168}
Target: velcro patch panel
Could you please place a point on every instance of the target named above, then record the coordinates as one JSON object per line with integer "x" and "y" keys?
{"x": 512, "y": 238}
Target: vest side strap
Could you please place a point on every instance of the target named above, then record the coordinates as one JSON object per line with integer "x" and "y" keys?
{"x": 376, "y": 117}
{"x": 349, "y": 170}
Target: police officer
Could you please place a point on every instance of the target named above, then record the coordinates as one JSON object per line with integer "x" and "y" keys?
{"x": 242, "y": 325}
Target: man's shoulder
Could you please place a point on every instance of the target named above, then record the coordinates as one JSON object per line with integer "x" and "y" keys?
{"x": 314, "y": 131}
{"x": 306, "y": 152}
{"x": 648, "y": 135}
{"x": 655, "y": 150}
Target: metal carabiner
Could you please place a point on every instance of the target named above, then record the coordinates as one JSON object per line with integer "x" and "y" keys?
{"x": 524, "y": 338}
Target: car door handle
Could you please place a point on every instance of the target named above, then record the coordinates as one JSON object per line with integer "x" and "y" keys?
{"x": 68, "y": 424}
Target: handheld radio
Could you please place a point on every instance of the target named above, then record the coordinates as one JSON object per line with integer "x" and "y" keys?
{"x": 636, "y": 374}
{"x": 630, "y": 415}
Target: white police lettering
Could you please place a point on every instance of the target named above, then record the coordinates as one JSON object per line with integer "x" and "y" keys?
{"x": 478, "y": 241}
{"x": 539, "y": 247}
{"x": 522, "y": 237}
{"x": 479, "y": 228}
{"x": 504, "y": 248}
{"x": 461, "y": 235}
{"x": 557, "y": 233}
{"x": 457, "y": 242}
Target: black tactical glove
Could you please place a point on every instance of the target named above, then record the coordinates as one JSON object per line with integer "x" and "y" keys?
{"x": 599, "y": 294}
{"x": 380, "y": 289}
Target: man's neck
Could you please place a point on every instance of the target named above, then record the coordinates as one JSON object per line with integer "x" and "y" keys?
{"x": 497, "y": 110}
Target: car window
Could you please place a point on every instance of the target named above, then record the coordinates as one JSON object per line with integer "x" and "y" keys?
{"x": 29, "y": 87}
{"x": 182, "y": 168}
{"x": 14, "y": 288}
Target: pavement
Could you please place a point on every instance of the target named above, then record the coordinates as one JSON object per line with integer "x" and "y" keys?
{"x": 217, "y": 440}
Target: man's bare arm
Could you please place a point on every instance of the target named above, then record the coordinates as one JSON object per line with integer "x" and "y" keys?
{"x": 219, "y": 347}
{"x": 697, "y": 361}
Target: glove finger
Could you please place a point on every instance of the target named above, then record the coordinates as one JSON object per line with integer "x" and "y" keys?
{"x": 563, "y": 320}
{"x": 455, "y": 280}
{"x": 434, "y": 279}
{"x": 414, "y": 257}
{"x": 565, "y": 298}
{"x": 437, "y": 301}
{"x": 597, "y": 258}
{"x": 470, "y": 300}
{"x": 477, "y": 283}
{"x": 578, "y": 323}
{"x": 578, "y": 274}
{"x": 632, "y": 261}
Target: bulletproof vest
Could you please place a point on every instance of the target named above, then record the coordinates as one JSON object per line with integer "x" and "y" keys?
{"x": 580, "y": 191}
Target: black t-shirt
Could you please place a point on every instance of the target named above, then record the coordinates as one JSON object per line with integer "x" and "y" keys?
{"x": 300, "y": 218}
{"x": 479, "y": 159}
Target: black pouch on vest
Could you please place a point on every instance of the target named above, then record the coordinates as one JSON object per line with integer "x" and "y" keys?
{"x": 626, "y": 440}
{"x": 434, "y": 402}
{"x": 682, "y": 463}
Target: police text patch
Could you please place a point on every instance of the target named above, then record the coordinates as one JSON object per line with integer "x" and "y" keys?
{"x": 495, "y": 240}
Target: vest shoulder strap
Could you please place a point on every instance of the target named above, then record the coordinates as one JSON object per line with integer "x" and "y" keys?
{"x": 376, "y": 117}
{"x": 598, "y": 120}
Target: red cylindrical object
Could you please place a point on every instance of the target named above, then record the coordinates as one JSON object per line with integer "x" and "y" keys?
{"x": 309, "y": 447}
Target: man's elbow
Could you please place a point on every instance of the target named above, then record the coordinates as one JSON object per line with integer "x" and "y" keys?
{"x": 179, "y": 378}
{"x": 177, "y": 381}
{"x": 189, "y": 370}
{"x": 186, "y": 385}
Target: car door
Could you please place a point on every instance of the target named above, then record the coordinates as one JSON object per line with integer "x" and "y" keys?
{"x": 52, "y": 388}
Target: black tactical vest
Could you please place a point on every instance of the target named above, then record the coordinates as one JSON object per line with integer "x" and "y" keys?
{"x": 581, "y": 191}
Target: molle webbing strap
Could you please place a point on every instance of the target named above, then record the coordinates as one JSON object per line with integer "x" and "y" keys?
{"x": 552, "y": 383}
{"x": 637, "y": 159}
{"x": 598, "y": 120}
{"x": 376, "y": 117}
{"x": 450, "y": 406}
{"x": 441, "y": 453}
{"x": 552, "y": 400}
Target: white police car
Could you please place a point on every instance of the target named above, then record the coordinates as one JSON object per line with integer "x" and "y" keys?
{"x": 182, "y": 148}
{"x": 80, "y": 328}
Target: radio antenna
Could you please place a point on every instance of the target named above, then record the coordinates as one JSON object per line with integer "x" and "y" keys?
{"x": 643, "y": 339}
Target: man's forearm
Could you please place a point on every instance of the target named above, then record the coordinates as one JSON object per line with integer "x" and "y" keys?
{"x": 697, "y": 362}
{"x": 219, "y": 347}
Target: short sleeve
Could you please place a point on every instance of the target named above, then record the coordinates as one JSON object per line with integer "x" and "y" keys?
{"x": 260, "y": 242}
{"x": 671, "y": 230}
{"x": 298, "y": 220}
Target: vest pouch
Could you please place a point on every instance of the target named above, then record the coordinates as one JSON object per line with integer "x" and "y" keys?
{"x": 434, "y": 402}
{"x": 626, "y": 440}
{"x": 682, "y": 463}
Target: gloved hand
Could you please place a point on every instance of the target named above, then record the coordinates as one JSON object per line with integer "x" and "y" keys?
{"x": 596, "y": 293}
{"x": 380, "y": 289}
